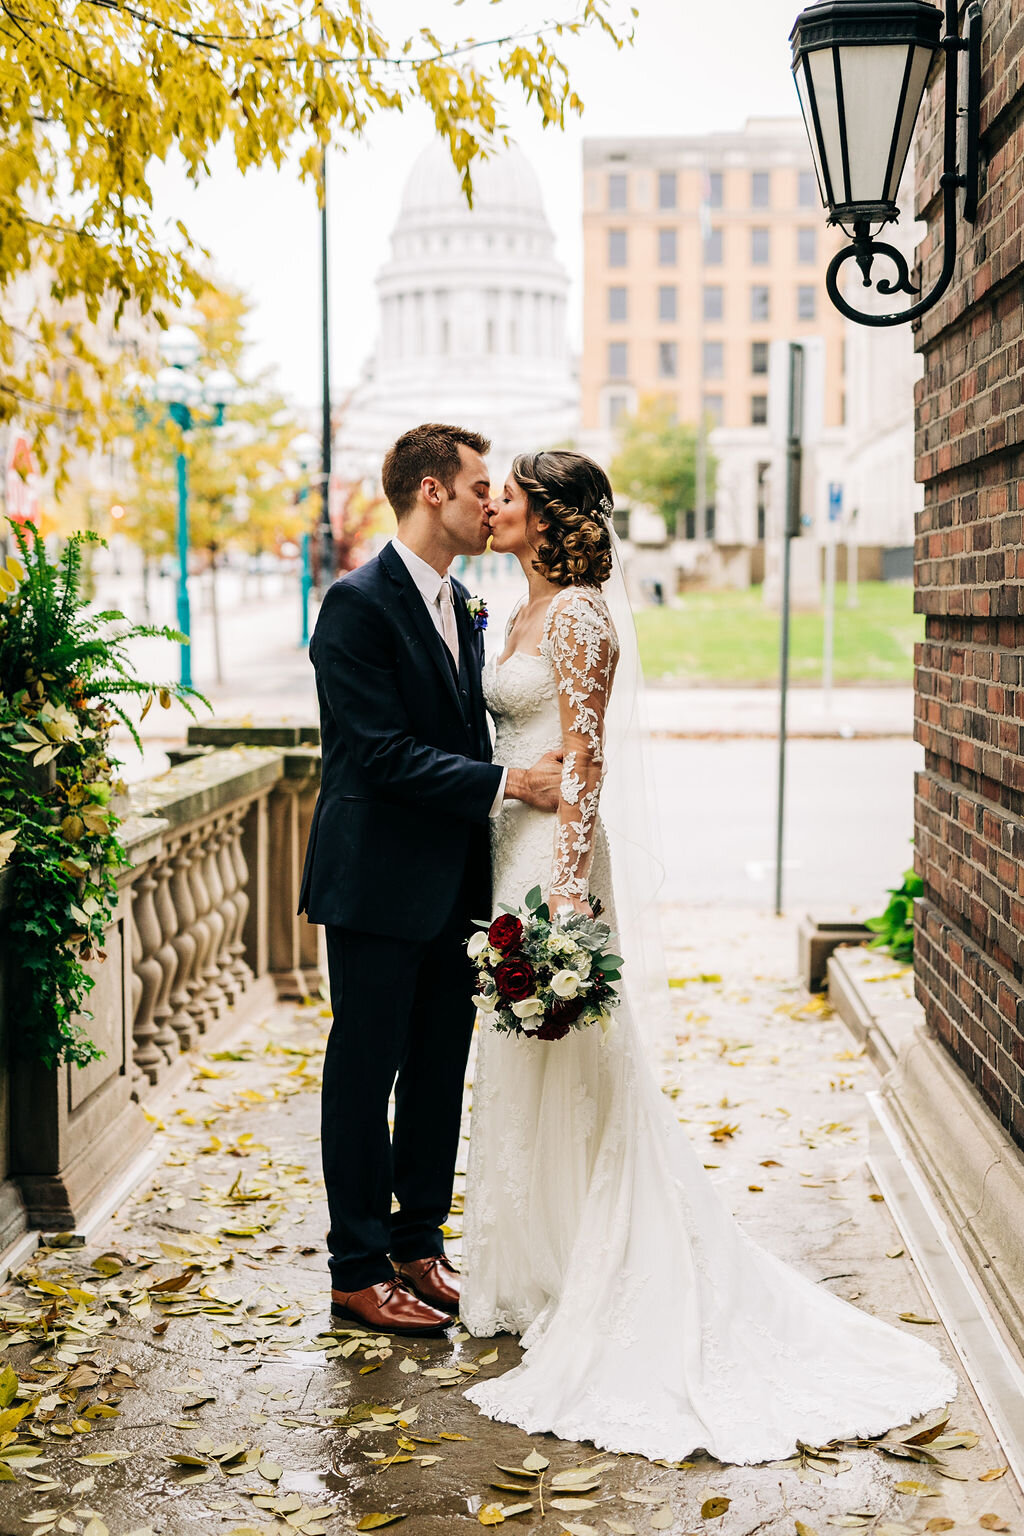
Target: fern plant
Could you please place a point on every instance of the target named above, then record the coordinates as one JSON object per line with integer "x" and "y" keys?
{"x": 66, "y": 677}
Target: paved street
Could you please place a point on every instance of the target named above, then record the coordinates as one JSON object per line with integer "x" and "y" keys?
{"x": 179, "y": 1376}
{"x": 849, "y": 802}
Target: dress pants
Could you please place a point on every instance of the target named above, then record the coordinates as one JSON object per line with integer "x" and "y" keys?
{"x": 402, "y": 1011}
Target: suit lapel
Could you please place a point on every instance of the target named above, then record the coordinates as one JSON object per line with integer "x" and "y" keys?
{"x": 471, "y": 663}
{"x": 422, "y": 622}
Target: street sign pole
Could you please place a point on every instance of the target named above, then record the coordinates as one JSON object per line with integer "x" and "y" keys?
{"x": 835, "y": 512}
{"x": 791, "y": 529}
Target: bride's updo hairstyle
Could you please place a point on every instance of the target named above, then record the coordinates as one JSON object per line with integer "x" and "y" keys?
{"x": 571, "y": 497}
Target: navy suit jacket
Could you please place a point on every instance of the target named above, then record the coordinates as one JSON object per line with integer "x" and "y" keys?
{"x": 400, "y": 825}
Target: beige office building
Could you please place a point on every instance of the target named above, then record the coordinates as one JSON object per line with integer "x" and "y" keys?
{"x": 698, "y": 254}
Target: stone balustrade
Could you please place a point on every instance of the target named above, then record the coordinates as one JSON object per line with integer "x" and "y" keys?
{"x": 205, "y": 931}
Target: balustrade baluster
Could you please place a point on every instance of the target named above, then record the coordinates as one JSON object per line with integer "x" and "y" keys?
{"x": 225, "y": 906}
{"x": 205, "y": 884}
{"x": 145, "y": 943}
{"x": 211, "y": 1007}
{"x": 239, "y": 875}
{"x": 188, "y": 1018}
{"x": 167, "y": 1037}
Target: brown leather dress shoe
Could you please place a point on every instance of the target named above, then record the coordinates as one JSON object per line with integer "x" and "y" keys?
{"x": 434, "y": 1280}
{"x": 388, "y": 1307}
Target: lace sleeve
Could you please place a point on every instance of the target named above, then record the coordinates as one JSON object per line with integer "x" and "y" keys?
{"x": 581, "y": 644}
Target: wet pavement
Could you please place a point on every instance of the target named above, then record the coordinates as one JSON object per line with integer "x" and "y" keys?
{"x": 180, "y": 1375}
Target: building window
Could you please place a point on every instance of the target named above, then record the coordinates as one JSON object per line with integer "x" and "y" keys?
{"x": 617, "y": 304}
{"x": 690, "y": 524}
{"x": 761, "y": 189}
{"x": 714, "y": 301}
{"x": 666, "y": 247}
{"x": 616, "y": 247}
{"x": 760, "y": 247}
{"x": 714, "y": 410}
{"x": 709, "y": 521}
{"x": 759, "y": 357}
{"x": 713, "y": 189}
{"x": 618, "y": 366}
{"x": 713, "y": 244}
{"x": 759, "y": 410}
{"x": 713, "y": 361}
{"x": 807, "y": 245}
{"x": 667, "y": 189}
{"x": 760, "y": 302}
{"x": 492, "y": 345}
{"x": 807, "y": 190}
{"x": 668, "y": 359}
{"x": 667, "y": 302}
{"x": 762, "y": 500}
{"x": 616, "y": 190}
{"x": 806, "y": 301}
{"x": 618, "y": 409}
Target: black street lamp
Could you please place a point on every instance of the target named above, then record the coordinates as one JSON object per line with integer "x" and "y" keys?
{"x": 861, "y": 68}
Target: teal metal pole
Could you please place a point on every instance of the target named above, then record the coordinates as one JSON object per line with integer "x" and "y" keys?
{"x": 184, "y": 616}
{"x": 306, "y": 583}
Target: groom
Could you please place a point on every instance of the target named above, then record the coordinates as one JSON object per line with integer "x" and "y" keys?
{"x": 398, "y": 865}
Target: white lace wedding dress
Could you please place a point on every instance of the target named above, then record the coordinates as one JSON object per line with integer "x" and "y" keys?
{"x": 651, "y": 1323}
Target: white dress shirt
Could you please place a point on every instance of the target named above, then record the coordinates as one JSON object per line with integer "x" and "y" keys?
{"x": 428, "y": 584}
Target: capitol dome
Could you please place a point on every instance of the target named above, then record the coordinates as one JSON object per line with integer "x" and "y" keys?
{"x": 504, "y": 184}
{"x": 472, "y": 317}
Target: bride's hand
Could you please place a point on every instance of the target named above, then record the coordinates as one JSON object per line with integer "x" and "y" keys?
{"x": 558, "y": 904}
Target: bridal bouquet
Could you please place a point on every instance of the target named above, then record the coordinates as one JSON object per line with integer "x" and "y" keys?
{"x": 540, "y": 975}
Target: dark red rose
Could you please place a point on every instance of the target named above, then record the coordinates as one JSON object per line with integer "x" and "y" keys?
{"x": 565, "y": 1010}
{"x": 514, "y": 979}
{"x": 505, "y": 932}
{"x": 551, "y": 1029}
{"x": 558, "y": 1019}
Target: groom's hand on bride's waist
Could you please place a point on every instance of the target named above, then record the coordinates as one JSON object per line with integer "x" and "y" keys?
{"x": 537, "y": 786}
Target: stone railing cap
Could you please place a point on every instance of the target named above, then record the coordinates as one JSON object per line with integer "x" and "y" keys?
{"x": 254, "y": 733}
{"x": 205, "y": 785}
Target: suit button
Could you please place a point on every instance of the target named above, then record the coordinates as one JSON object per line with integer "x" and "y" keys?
{"x": 463, "y": 694}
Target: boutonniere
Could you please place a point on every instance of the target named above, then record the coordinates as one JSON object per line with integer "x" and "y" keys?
{"x": 477, "y": 610}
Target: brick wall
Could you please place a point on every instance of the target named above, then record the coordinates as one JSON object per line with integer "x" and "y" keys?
{"x": 969, "y": 574}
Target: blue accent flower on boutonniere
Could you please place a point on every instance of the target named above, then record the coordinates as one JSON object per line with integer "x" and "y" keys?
{"x": 477, "y": 610}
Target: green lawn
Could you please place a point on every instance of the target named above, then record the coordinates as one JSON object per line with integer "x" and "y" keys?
{"x": 731, "y": 637}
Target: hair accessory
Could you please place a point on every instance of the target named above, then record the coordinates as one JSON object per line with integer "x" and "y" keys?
{"x": 606, "y": 506}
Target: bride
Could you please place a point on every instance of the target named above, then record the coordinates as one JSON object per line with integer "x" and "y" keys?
{"x": 650, "y": 1322}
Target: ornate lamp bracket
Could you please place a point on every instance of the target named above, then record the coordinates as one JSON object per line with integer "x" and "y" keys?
{"x": 864, "y": 247}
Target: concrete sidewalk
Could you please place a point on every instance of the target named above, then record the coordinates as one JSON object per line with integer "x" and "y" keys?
{"x": 177, "y": 1376}
{"x": 754, "y": 712}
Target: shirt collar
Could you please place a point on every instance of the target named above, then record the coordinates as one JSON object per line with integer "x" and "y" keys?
{"x": 426, "y": 578}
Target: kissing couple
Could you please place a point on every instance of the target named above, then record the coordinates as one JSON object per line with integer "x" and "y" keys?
{"x": 649, "y": 1321}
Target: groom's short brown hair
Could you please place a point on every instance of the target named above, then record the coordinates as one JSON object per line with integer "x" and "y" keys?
{"x": 432, "y": 449}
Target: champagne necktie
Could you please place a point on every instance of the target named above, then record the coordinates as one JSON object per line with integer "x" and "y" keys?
{"x": 448, "y": 626}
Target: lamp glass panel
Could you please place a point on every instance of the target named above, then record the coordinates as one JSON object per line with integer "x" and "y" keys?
{"x": 800, "y": 75}
{"x": 872, "y": 86}
{"x": 822, "y": 76}
{"x": 915, "y": 90}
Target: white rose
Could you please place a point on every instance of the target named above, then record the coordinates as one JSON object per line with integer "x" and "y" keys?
{"x": 486, "y": 1004}
{"x": 477, "y": 944}
{"x": 565, "y": 984}
{"x": 528, "y": 1007}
